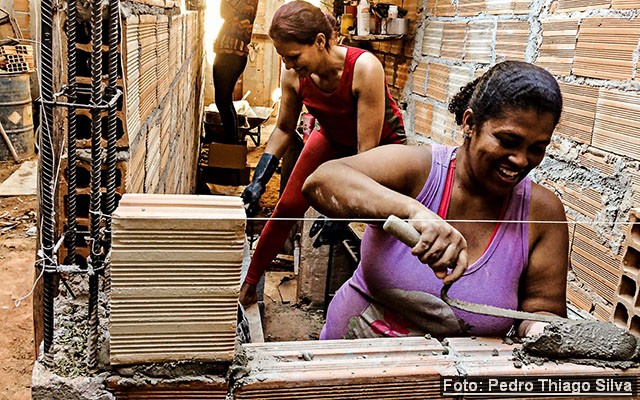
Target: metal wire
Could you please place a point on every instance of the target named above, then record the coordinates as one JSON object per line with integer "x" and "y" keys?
{"x": 96, "y": 175}
{"x": 47, "y": 170}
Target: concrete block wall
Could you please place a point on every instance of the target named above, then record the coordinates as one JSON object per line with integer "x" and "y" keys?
{"x": 592, "y": 47}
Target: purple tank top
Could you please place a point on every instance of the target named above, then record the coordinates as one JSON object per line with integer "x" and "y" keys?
{"x": 493, "y": 279}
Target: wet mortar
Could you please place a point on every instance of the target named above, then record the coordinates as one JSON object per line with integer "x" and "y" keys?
{"x": 588, "y": 342}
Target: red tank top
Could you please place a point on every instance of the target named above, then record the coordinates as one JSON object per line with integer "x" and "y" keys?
{"x": 336, "y": 111}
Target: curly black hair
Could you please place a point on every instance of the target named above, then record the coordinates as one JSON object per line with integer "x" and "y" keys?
{"x": 508, "y": 85}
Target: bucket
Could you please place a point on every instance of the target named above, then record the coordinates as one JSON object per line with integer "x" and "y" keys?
{"x": 16, "y": 115}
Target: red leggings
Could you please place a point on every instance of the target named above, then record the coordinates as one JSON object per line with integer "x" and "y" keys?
{"x": 292, "y": 205}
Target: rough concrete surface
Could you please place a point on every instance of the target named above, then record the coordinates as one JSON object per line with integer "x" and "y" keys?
{"x": 47, "y": 385}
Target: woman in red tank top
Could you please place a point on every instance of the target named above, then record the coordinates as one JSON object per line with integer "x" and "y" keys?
{"x": 345, "y": 90}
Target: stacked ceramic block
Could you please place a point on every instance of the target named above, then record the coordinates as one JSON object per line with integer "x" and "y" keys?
{"x": 175, "y": 276}
{"x": 627, "y": 308}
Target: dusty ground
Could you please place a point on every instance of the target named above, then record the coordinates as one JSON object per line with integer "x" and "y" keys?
{"x": 17, "y": 257}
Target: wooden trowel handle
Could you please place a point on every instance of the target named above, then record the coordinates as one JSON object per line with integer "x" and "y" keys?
{"x": 401, "y": 230}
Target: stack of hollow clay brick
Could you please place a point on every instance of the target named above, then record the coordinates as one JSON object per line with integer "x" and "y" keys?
{"x": 627, "y": 308}
{"x": 175, "y": 277}
{"x": 16, "y": 59}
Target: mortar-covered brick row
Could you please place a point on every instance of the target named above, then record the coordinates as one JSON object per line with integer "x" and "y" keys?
{"x": 420, "y": 79}
{"x": 512, "y": 38}
{"x": 579, "y": 297}
{"x": 581, "y": 5}
{"x": 412, "y": 7}
{"x": 579, "y": 112}
{"x": 459, "y": 76}
{"x": 445, "y": 8}
{"x": 605, "y": 48}
{"x": 470, "y": 8}
{"x": 396, "y": 47}
{"x": 213, "y": 388}
{"x": 588, "y": 248}
{"x": 438, "y": 81}
{"x": 624, "y": 4}
{"x": 583, "y": 269}
{"x": 558, "y": 47}
{"x": 402, "y": 75}
{"x": 432, "y": 38}
{"x": 430, "y": 7}
{"x": 621, "y": 315}
{"x": 479, "y": 41}
{"x": 424, "y": 118}
{"x": 598, "y": 161}
{"x": 617, "y": 123}
{"x": 453, "y": 40}
{"x": 442, "y": 127}
{"x": 498, "y": 7}
{"x": 521, "y": 7}
{"x": 389, "y": 69}
{"x": 585, "y": 200}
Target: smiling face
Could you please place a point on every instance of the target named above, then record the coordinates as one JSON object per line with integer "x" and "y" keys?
{"x": 303, "y": 58}
{"x": 507, "y": 148}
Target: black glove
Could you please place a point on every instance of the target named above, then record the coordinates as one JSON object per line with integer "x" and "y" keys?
{"x": 264, "y": 171}
{"x": 329, "y": 232}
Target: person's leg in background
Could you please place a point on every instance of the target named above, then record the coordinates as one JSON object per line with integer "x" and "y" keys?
{"x": 227, "y": 68}
{"x": 291, "y": 205}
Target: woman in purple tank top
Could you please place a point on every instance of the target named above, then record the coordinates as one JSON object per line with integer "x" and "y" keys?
{"x": 483, "y": 223}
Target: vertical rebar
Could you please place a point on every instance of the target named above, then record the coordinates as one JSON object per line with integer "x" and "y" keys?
{"x": 47, "y": 170}
{"x": 96, "y": 166}
{"x": 112, "y": 129}
{"x": 72, "y": 226}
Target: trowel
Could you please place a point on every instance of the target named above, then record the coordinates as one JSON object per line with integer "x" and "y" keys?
{"x": 563, "y": 338}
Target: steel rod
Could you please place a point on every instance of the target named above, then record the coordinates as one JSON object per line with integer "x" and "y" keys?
{"x": 72, "y": 226}
{"x": 47, "y": 171}
{"x": 96, "y": 175}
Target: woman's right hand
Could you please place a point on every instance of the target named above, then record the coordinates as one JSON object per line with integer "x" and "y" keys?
{"x": 441, "y": 246}
{"x": 248, "y": 294}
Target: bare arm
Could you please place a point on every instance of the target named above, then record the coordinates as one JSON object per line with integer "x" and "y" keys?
{"x": 543, "y": 284}
{"x": 369, "y": 89}
{"x": 385, "y": 181}
{"x": 290, "y": 108}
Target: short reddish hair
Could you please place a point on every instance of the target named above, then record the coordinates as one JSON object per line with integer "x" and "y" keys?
{"x": 300, "y": 22}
